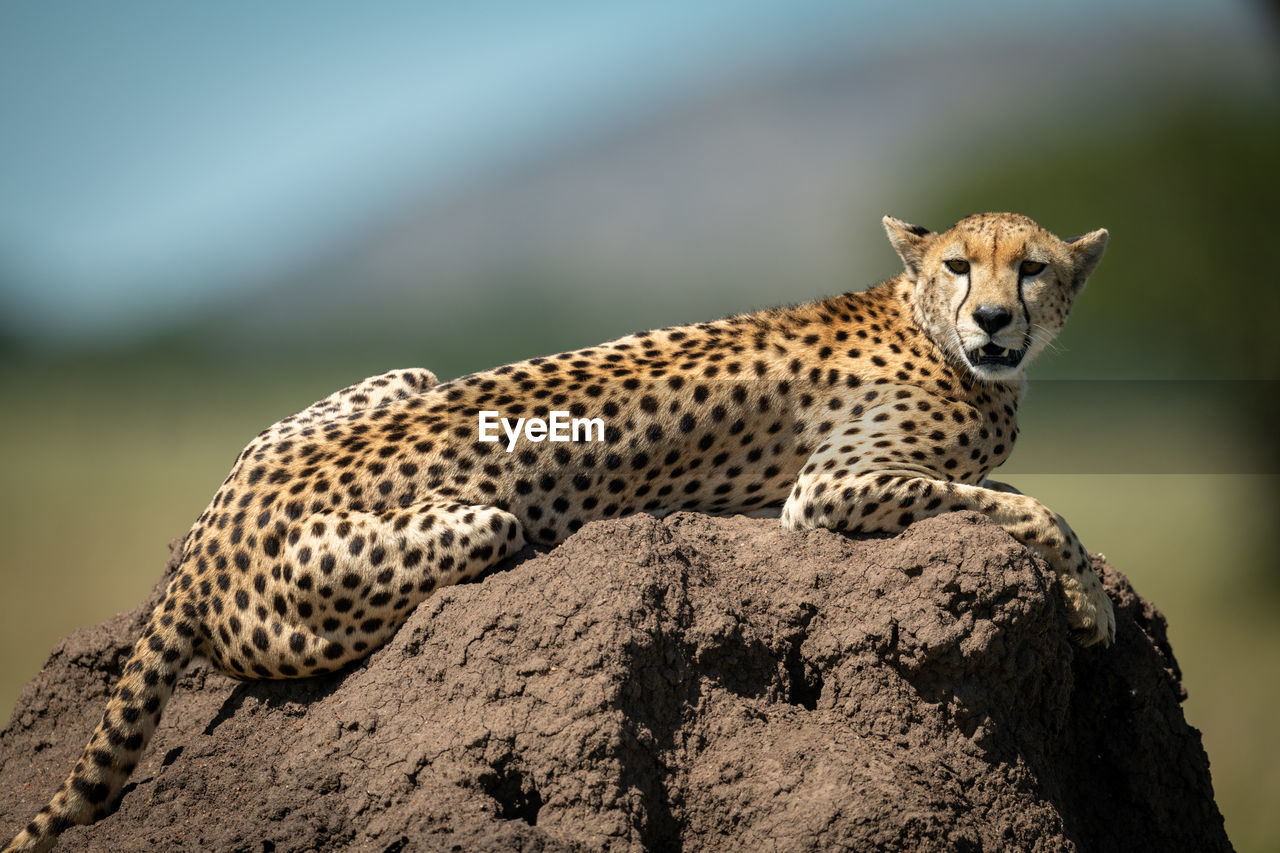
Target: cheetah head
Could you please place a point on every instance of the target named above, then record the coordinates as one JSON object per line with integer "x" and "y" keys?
{"x": 994, "y": 289}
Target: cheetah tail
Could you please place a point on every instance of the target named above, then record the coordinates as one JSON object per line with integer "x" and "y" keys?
{"x": 92, "y": 790}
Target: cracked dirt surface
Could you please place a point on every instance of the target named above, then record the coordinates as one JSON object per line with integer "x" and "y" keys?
{"x": 689, "y": 683}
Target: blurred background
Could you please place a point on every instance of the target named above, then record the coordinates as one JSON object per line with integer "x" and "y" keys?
{"x": 212, "y": 215}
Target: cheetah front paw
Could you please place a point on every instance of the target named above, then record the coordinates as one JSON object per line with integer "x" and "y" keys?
{"x": 1090, "y": 611}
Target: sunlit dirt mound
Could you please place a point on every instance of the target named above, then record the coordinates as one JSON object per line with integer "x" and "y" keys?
{"x": 690, "y": 683}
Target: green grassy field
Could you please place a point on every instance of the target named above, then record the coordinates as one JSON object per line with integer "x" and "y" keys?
{"x": 101, "y": 470}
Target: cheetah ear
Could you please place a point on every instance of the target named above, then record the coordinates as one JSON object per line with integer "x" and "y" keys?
{"x": 909, "y": 241}
{"x": 1086, "y": 250}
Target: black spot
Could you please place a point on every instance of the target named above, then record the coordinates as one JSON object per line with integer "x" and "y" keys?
{"x": 94, "y": 792}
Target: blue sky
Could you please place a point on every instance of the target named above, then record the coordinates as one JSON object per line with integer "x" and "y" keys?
{"x": 154, "y": 154}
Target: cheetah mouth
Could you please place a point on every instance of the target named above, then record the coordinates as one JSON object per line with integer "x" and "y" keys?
{"x": 993, "y": 355}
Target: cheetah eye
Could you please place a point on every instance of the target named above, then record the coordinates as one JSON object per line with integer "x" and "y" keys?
{"x": 1030, "y": 268}
{"x": 957, "y": 266}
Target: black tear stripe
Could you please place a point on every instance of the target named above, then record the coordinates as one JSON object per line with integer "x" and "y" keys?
{"x": 1026, "y": 315}
{"x": 963, "y": 299}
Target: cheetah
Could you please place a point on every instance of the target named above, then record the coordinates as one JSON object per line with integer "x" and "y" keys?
{"x": 860, "y": 413}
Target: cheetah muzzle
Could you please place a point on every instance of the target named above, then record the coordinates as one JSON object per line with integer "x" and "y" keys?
{"x": 860, "y": 413}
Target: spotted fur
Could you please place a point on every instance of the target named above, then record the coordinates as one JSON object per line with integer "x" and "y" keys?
{"x": 861, "y": 413}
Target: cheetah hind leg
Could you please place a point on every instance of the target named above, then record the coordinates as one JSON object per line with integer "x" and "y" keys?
{"x": 363, "y": 576}
{"x": 356, "y": 577}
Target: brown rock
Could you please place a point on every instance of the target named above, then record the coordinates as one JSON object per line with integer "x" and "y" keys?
{"x": 692, "y": 683}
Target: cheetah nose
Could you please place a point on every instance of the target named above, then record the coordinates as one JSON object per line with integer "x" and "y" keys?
{"x": 991, "y": 318}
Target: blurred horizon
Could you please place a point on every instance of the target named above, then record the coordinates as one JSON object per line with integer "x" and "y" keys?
{"x": 213, "y": 215}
